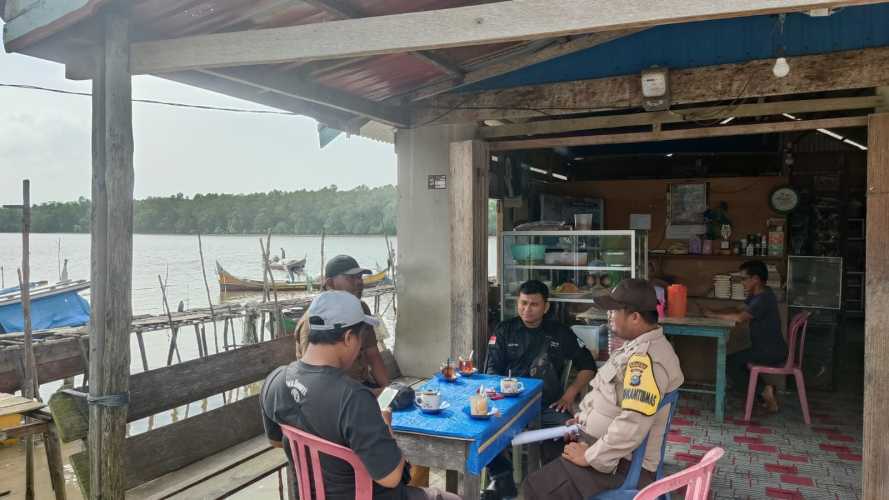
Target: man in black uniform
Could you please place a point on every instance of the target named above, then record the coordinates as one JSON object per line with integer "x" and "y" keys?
{"x": 531, "y": 346}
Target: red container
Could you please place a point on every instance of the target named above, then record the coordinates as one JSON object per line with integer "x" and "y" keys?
{"x": 677, "y": 301}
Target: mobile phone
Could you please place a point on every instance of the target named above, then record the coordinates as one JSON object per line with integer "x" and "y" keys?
{"x": 386, "y": 397}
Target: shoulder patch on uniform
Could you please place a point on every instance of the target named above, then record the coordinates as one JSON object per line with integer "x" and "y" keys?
{"x": 641, "y": 393}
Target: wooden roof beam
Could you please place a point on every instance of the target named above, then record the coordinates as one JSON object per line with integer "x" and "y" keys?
{"x": 673, "y": 135}
{"x": 817, "y": 73}
{"x": 345, "y": 11}
{"x": 437, "y": 29}
{"x": 512, "y": 62}
{"x": 328, "y": 116}
{"x": 711, "y": 113}
{"x": 283, "y": 84}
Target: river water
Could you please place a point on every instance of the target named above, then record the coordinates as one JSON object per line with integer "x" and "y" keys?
{"x": 176, "y": 258}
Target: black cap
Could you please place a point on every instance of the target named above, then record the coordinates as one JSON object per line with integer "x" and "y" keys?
{"x": 343, "y": 264}
{"x": 637, "y": 295}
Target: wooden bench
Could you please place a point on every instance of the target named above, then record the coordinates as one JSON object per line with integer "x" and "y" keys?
{"x": 209, "y": 455}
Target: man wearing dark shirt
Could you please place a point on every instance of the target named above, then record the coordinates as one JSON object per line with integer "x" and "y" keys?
{"x": 316, "y": 395}
{"x": 768, "y": 344}
{"x": 531, "y": 346}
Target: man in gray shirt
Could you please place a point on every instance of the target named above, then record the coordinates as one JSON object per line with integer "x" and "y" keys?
{"x": 316, "y": 395}
{"x": 768, "y": 344}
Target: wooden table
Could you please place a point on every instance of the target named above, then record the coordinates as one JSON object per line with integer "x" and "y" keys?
{"x": 37, "y": 421}
{"x": 459, "y": 444}
{"x": 692, "y": 326}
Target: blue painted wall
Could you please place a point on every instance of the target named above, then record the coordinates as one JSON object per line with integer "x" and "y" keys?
{"x": 709, "y": 43}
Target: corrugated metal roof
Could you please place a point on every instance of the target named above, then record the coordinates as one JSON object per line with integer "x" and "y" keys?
{"x": 376, "y": 78}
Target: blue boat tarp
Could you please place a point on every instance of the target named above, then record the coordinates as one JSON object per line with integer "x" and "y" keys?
{"x": 65, "y": 309}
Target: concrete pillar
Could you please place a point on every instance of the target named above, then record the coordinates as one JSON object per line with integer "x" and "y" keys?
{"x": 423, "y": 329}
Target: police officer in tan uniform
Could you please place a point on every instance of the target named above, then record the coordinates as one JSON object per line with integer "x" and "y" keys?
{"x": 621, "y": 408}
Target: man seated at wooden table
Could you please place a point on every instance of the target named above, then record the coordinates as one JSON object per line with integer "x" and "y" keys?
{"x": 531, "y": 346}
{"x": 316, "y": 395}
{"x": 622, "y": 407}
{"x": 343, "y": 273}
{"x": 768, "y": 344}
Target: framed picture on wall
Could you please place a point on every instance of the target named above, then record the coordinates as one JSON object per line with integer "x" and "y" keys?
{"x": 688, "y": 202}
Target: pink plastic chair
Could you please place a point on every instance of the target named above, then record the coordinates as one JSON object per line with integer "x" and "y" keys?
{"x": 793, "y": 366}
{"x": 696, "y": 478}
{"x": 301, "y": 441}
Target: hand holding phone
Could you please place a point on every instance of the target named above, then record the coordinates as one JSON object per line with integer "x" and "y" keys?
{"x": 386, "y": 397}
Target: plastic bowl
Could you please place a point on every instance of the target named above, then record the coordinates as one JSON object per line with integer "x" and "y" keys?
{"x": 528, "y": 252}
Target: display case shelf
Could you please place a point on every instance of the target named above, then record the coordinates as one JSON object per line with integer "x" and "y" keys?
{"x": 603, "y": 269}
{"x": 608, "y": 256}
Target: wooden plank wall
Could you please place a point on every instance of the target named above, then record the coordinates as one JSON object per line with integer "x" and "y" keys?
{"x": 876, "y": 344}
{"x": 747, "y": 199}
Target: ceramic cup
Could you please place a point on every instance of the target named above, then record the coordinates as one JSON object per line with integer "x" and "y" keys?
{"x": 429, "y": 400}
{"x": 510, "y": 386}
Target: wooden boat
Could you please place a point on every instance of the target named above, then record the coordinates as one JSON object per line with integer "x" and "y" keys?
{"x": 231, "y": 283}
{"x": 372, "y": 280}
{"x": 52, "y": 306}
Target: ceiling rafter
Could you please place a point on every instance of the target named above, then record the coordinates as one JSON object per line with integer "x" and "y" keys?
{"x": 345, "y": 11}
{"x": 283, "y": 84}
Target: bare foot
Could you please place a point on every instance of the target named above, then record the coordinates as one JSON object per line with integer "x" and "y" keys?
{"x": 771, "y": 402}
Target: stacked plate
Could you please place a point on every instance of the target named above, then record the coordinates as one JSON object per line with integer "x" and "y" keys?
{"x": 738, "y": 292}
{"x": 722, "y": 286}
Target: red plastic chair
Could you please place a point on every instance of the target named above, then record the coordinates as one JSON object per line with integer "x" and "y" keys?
{"x": 300, "y": 441}
{"x": 696, "y": 478}
{"x": 793, "y": 366}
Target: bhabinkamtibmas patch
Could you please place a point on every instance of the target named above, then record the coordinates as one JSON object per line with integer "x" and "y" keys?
{"x": 640, "y": 389}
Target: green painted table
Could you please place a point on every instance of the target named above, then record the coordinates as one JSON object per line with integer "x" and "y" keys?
{"x": 717, "y": 329}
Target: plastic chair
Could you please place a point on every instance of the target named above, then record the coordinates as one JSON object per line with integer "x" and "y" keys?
{"x": 793, "y": 366}
{"x": 696, "y": 478}
{"x": 300, "y": 441}
{"x": 630, "y": 488}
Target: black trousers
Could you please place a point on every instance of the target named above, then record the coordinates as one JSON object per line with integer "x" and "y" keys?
{"x": 549, "y": 449}
{"x": 739, "y": 375}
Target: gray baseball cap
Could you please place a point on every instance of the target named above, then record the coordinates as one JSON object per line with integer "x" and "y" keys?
{"x": 337, "y": 310}
{"x": 343, "y": 264}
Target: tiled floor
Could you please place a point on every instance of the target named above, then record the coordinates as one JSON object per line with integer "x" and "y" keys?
{"x": 774, "y": 456}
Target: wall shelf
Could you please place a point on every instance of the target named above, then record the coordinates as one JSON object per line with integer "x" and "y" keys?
{"x": 768, "y": 258}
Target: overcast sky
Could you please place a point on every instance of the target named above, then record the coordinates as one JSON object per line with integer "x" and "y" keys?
{"x": 46, "y": 137}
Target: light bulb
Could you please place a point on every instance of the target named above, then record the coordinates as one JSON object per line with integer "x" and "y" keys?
{"x": 781, "y": 68}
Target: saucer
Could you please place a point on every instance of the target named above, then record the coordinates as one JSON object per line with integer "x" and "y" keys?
{"x": 444, "y": 406}
{"x": 521, "y": 388}
{"x": 439, "y": 376}
{"x": 492, "y": 410}
{"x": 513, "y": 394}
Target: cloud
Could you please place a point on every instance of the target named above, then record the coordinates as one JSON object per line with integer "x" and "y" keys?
{"x": 46, "y": 137}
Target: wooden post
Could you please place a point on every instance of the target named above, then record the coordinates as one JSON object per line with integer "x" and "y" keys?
{"x": 275, "y": 320}
{"x": 29, "y": 385}
{"x": 174, "y": 332}
{"x": 875, "y": 449}
{"x": 468, "y": 214}
{"x": 323, "y": 277}
{"x": 142, "y": 353}
{"x": 209, "y": 300}
{"x": 112, "y": 255}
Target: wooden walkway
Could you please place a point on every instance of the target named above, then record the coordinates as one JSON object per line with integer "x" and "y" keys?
{"x": 60, "y": 352}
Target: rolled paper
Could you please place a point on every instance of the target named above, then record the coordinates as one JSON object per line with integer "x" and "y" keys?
{"x": 544, "y": 434}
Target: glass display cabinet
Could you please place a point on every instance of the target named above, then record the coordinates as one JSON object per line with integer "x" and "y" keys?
{"x": 575, "y": 265}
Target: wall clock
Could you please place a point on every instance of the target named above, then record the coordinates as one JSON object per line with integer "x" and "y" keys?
{"x": 783, "y": 199}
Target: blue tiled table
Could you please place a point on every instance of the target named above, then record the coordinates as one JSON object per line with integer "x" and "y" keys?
{"x": 454, "y": 441}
